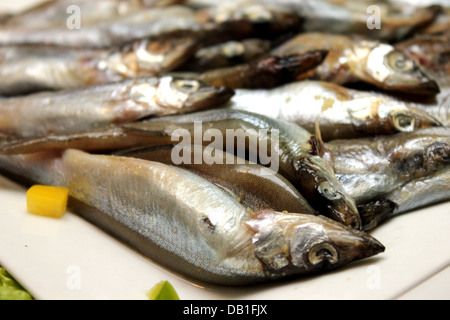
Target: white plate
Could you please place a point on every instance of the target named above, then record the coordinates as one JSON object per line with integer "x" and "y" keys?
{"x": 69, "y": 258}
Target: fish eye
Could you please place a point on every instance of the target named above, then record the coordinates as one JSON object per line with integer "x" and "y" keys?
{"x": 404, "y": 123}
{"x": 323, "y": 251}
{"x": 329, "y": 192}
{"x": 187, "y": 86}
{"x": 399, "y": 61}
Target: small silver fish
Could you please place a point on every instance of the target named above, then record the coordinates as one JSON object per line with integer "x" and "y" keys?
{"x": 288, "y": 148}
{"x": 189, "y": 225}
{"x": 253, "y": 185}
{"x": 25, "y": 69}
{"x": 373, "y": 19}
{"x": 266, "y": 72}
{"x": 351, "y": 60}
{"x": 152, "y": 23}
{"x": 111, "y": 103}
{"x": 239, "y": 20}
{"x": 341, "y": 113}
{"x": 55, "y": 13}
{"x": 370, "y": 169}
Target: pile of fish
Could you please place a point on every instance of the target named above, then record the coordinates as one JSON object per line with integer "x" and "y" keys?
{"x": 355, "y": 117}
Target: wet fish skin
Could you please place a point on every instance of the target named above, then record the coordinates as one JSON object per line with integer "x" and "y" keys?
{"x": 293, "y": 155}
{"x": 216, "y": 241}
{"x": 354, "y": 18}
{"x": 111, "y": 103}
{"x": 55, "y": 13}
{"x": 28, "y": 69}
{"x": 413, "y": 195}
{"x": 248, "y": 19}
{"x": 151, "y": 23}
{"x": 255, "y": 186}
{"x": 227, "y": 54}
{"x": 342, "y": 113}
{"x": 266, "y": 72}
{"x": 370, "y": 168}
{"x": 375, "y": 63}
{"x": 297, "y": 159}
{"x": 421, "y": 192}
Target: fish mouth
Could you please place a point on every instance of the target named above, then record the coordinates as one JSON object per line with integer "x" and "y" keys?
{"x": 429, "y": 87}
{"x": 371, "y": 245}
{"x": 209, "y": 97}
{"x": 429, "y": 121}
{"x": 423, "y": 87}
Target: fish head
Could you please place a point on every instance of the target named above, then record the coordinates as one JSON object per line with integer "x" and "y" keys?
{"x": 324, "y": 192}
{"x": 292, "y": 243}
{"x": 179, "y": 93}
{"x": 143, "y": 58}
{"x": 406, "y": 118}
{"x": 394, "y": 70}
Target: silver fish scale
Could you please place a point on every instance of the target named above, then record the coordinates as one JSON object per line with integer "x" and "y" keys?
{"x": 186, "y": 216}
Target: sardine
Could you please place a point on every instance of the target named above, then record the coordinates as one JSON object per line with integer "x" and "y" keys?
{"x": 98, "y": 106}
{"x": 227, "y": 54}
{"x": 189, "y": 225}
{"x": 56, "y": 13}
{"x": 266, "y": 72}
{"x": 371, "y": 169}
{"x": 374, "y": 63}
{"x": 432, "y": 54}
{"x": 277, "y": 144}
{"x": 152, "y": 23}
{"x": 341, "y": 113}
{"x": 253, "y": 185}
{"x": 25, "y": 69}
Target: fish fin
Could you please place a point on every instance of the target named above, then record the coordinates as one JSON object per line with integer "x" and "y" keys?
{"x": 316, "y": 141}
